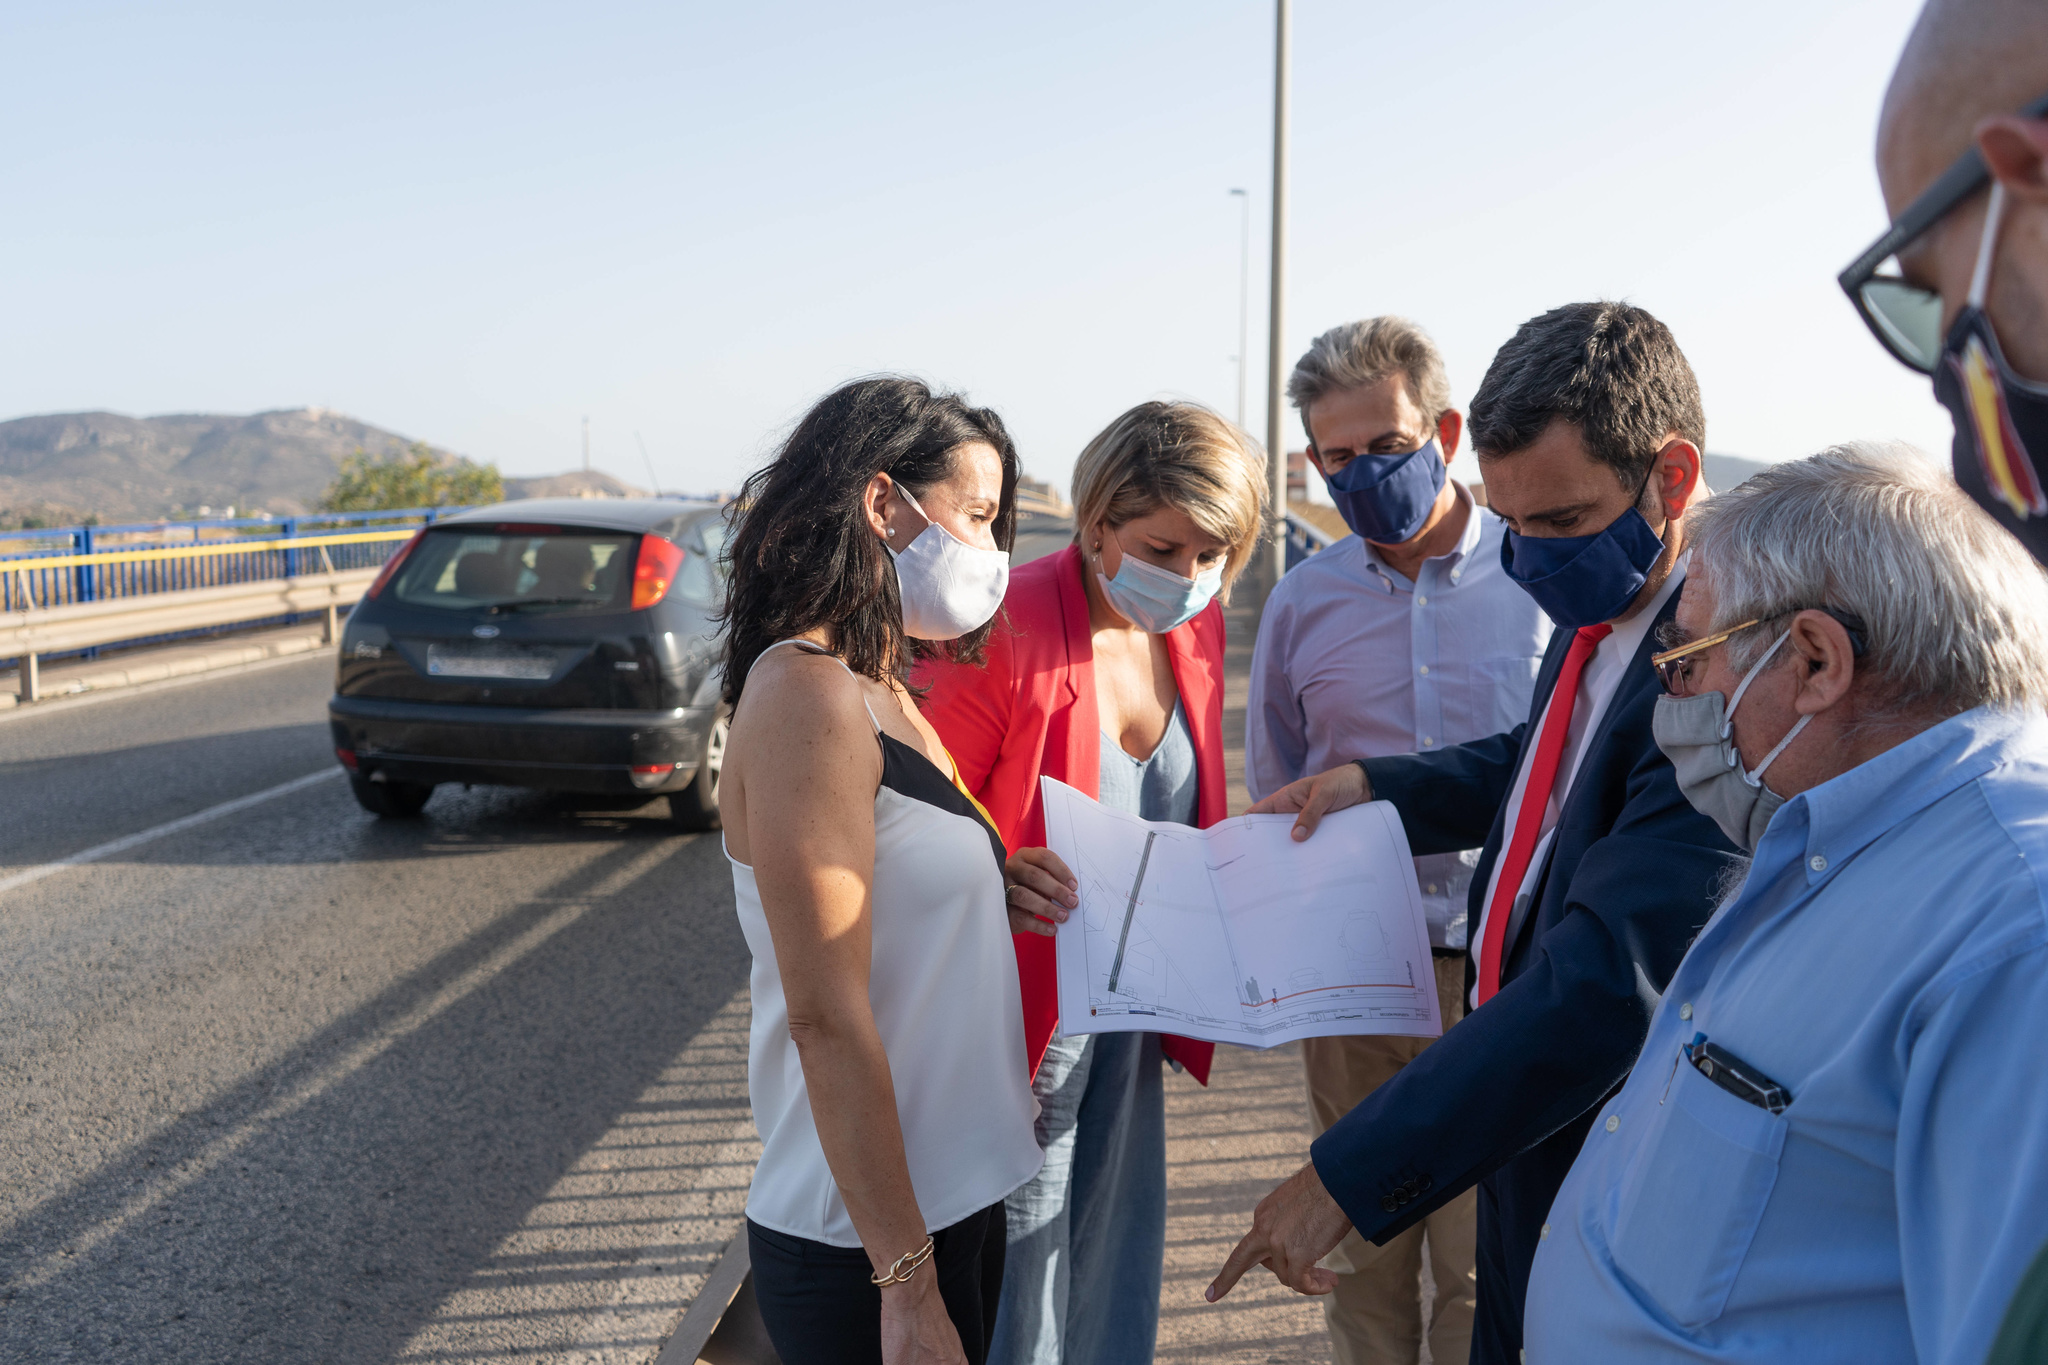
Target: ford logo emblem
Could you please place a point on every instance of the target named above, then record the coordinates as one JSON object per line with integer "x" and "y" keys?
{"x": 485, "y": 632}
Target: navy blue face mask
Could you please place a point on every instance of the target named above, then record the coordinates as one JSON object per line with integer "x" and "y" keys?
{"x": 1584, "y": 580}
{"x": 1386, "y": 498}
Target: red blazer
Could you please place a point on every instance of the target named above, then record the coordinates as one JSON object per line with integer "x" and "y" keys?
{"x": 1031, "y": 711}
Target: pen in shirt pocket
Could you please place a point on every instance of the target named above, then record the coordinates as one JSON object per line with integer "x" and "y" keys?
{"x": 1732, "y": 1074}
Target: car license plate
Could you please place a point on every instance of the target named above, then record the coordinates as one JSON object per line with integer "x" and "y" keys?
{"x": 521, "y": 665}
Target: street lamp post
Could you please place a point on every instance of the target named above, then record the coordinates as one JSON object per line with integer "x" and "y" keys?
{"x": 1244, "y": 297}
{"x": 1276, "y": 444}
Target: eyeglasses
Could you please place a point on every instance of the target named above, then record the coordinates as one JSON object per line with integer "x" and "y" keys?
{"x": 1670, "y": 664}
{"x": 1905, "y": 318}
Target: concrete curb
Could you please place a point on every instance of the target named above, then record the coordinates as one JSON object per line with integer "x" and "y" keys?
{"x": 144, "y": 666}
{"x": 722, "y": 1325}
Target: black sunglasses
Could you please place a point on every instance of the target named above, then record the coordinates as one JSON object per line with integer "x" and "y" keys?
{"x": 1905, "y": 318}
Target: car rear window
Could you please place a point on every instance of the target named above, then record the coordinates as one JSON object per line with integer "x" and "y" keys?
{"x": 702, "y": 578}
{"x": 528, "y": 569}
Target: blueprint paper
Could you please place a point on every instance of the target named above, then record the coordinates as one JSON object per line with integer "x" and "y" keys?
{"x": 1237, "y": 933}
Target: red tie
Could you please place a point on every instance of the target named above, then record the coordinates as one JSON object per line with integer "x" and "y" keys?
{"x": 1535, "y": 797}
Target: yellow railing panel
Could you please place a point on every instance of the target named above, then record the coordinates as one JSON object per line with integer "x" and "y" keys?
{"x": 228, "y": 547}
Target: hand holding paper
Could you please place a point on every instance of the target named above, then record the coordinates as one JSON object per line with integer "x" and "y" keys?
{"x": 1239, "y": 933}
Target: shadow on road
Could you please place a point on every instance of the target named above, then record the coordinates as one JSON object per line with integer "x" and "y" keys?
{"x": 460, "y": 823}
{"x": 319, "y": 1210}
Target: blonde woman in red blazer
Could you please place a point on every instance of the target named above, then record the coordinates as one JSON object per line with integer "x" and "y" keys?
{"x": 1105, "y": 672}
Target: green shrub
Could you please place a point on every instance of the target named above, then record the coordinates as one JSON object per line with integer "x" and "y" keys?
{"x": 414, "y": 477}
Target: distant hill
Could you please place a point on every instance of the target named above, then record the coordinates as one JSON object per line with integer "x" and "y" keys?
{"x": 65, "y": 467}
{"x": 61, "y": 469}
{"x": 577, "y": 484}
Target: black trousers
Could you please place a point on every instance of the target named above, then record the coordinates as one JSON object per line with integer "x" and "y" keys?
{"x": 1514, "y": 1201}
{"x": 820, "y": 1309}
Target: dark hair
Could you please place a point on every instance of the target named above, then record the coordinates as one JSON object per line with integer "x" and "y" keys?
{"x": 1610, "y": 369}
{"x": 801, "y": 553}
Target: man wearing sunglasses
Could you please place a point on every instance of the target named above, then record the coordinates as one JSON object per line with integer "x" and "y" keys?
{"x": 1957, "y": 287}
{"x": 1961, "y": 147}
{"x": 1595, "y": 872}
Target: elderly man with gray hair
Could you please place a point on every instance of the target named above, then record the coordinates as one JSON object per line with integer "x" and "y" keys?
{"x": 1405, "y": 637}
{"x": 1832, "y": 1147}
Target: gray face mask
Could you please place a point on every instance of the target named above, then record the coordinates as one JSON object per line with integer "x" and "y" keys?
{"x": 1696, "y": 734}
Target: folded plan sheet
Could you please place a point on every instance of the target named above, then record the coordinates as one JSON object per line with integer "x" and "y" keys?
{"x": 1237, "y": 933}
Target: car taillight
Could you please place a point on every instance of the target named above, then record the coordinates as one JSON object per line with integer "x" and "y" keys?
{"x": 348, "y": 759}
{"x": 654, "y": 570}
{"x": 385, "y": 574}
{"x": 651, "y": 774}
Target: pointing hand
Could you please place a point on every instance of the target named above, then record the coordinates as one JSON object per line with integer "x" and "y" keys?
{"x": 1293, "y": 1227}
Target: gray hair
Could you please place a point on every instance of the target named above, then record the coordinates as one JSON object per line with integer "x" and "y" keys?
{"x": 1357, "y": 355}
{"x": 1953, "y": 609}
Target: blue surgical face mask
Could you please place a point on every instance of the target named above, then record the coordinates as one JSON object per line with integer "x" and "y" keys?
{"x": 1584, "y": 580}
{"x": 1387, "y": 498}
{"x": 1155, "y": 599}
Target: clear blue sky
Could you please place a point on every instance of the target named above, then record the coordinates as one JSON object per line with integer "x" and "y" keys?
{"x": 476, "y": 224}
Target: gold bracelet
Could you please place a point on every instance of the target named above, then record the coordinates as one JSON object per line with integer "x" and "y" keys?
{"x": 903, "y": 1267}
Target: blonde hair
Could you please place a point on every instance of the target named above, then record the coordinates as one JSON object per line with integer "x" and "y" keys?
{"x": 1178, "y": 455}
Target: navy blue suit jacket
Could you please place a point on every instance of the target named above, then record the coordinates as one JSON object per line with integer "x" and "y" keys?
{"x": 1629, "y": 879}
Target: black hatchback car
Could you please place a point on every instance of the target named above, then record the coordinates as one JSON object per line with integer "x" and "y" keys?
{"x": 563, "y": 643}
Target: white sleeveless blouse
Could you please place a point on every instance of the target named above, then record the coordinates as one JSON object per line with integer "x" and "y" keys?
{"x": 943, "y": 985}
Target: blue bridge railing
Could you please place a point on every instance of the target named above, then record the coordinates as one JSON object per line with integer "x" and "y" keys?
{"x": 1304, "y": 538}
{"x": 23, "y": 586}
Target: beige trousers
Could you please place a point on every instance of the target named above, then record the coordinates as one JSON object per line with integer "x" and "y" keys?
{"x": 1375, "y": 1315}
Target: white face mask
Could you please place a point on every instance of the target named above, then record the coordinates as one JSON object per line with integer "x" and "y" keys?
{"x": 1697, "y": 735}
{"x": 948, "y": 587}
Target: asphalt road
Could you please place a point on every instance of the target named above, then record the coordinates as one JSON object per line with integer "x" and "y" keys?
{"x": 294, "y": 1084}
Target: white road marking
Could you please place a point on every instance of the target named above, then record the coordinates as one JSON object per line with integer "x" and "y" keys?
{"x": 108, "y": 850}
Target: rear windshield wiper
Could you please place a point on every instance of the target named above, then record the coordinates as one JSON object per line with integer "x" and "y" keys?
{"x": 542, "y": 602}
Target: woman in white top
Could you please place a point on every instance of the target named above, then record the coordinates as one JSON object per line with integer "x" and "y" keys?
{"x": 887, "y": 1067}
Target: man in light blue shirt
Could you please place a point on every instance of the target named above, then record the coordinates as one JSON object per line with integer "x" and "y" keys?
{"x": 1403, "y": 637}
{"x": 1835, "y": 1144}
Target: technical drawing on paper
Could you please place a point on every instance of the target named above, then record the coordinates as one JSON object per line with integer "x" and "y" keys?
{"x": 1237, "y": 933}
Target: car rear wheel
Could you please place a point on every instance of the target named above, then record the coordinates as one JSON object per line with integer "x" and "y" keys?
{"x": 390, "y": 800}
{"x": 695, "y": 807}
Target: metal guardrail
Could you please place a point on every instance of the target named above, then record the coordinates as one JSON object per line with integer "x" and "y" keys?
{"x": 44, "y": 568}
{"x": 73, "y": 566}
{"x": 205, "y": 549}
{"x": 83, "y": 625}
{"x": 1304, "y": 538}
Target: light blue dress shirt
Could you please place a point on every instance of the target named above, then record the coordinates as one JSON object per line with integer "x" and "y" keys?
{"x": 1887, "y": 963}
{"x": 1355, "y": 661}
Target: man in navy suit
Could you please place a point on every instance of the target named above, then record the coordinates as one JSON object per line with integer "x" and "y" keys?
{"x": 1596, "y": 871}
